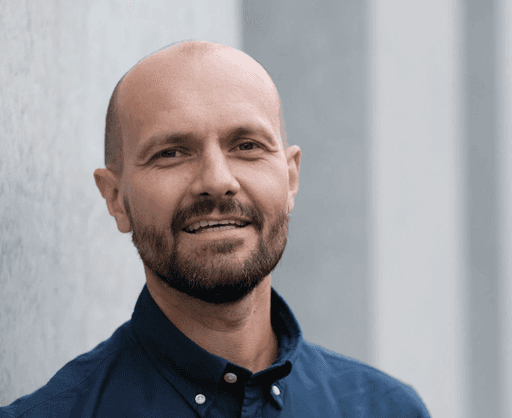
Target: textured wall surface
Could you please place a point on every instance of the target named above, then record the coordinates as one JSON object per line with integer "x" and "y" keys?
{"x": 504, "y": 43}
{"x": 399, "y": 246}
{"x": 417, "y": 198}
{"x": 68, "y": 277}
{"x": 401, "y": 236}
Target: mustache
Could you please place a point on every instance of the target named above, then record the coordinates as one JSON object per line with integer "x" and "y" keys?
{"x": 227, "y": 206}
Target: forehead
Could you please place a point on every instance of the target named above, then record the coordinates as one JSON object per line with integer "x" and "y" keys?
{"x": 170, "y": 91}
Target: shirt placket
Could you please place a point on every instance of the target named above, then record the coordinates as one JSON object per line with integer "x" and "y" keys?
{"x": 253, "y": 402}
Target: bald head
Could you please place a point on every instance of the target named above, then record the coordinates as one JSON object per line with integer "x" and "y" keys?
{"x": 170, "y": 68}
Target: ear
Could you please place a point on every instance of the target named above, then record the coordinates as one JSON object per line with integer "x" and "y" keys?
{"x": 109, "y": 185}
{"x": 293, "y": 154}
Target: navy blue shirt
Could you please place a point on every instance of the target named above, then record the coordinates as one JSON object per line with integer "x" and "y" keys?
{"x": 148, "y": 368}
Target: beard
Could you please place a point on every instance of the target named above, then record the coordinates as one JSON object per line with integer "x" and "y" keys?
{"x": 211, "y": 272}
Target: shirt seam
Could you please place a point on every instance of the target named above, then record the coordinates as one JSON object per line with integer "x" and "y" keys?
{"x": 358, "y": 364}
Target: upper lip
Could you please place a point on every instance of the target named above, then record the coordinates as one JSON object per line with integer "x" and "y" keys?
{"x": 207, "y": 219}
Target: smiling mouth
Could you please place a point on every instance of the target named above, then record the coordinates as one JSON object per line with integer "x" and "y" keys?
{"x": 214, "y": 228}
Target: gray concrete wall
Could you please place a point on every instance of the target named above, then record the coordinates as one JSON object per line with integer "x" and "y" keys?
{"x": 418, "y": 259}
{"x": 504, "y": 162}
{"x": 481, "y": 210}
{"x": 400, "y": 240}
{"x": 399, "y": 247}
{"x": 316, "y": 53}
{"x": 68, "y": 278}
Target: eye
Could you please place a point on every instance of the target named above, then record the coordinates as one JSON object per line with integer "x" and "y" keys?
{"x": 168, "y": 153}
{"x": 243, "y": 144}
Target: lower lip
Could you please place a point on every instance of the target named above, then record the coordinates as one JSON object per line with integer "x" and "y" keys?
{"x": 217, "y": 234}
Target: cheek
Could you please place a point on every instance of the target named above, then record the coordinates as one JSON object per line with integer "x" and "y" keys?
{"x": 156, "y": 202}
{"x": 269, "y": 187}
{"x": 271, "y": 173}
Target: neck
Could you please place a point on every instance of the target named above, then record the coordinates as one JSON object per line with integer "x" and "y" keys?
{"x": 240, "y": 332}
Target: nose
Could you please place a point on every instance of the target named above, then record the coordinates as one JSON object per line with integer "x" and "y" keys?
{"x": 215, "y": 178}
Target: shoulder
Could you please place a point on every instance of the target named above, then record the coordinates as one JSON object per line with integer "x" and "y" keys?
{"x": 76, "y": 381}
{"x": 353, "y": 383}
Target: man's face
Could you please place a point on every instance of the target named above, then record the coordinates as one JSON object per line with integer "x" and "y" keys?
{"x": 213, "y": 170}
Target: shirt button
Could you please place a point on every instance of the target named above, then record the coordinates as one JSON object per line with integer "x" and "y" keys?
{"x": 230, "y": 377}
{"x": 200, "y": 399}
{"x": 275, "y": 390}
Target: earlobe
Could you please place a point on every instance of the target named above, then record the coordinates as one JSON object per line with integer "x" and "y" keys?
{"x": 123, "y": 224}
{"x": 293, "y": 155}
{"x": 106, "y": 184}
{"x": 99, "y": 178}
{"x": 109, "y": 189}
{"x": 289, "y": 207}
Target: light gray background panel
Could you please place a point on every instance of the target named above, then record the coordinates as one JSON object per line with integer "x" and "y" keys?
{"x": 319, "y": 66}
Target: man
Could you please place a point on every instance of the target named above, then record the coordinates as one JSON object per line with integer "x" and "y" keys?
{"x": 198, "y": 169}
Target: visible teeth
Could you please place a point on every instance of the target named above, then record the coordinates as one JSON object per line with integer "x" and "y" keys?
{"x": 198, "y": 225}
{"x": 220, "y": 228}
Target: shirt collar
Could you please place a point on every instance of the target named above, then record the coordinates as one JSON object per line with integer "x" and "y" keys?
{"x": 190, "y": 368}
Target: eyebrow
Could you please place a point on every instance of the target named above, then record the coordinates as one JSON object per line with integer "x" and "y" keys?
{"x": 166, "y": 138}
